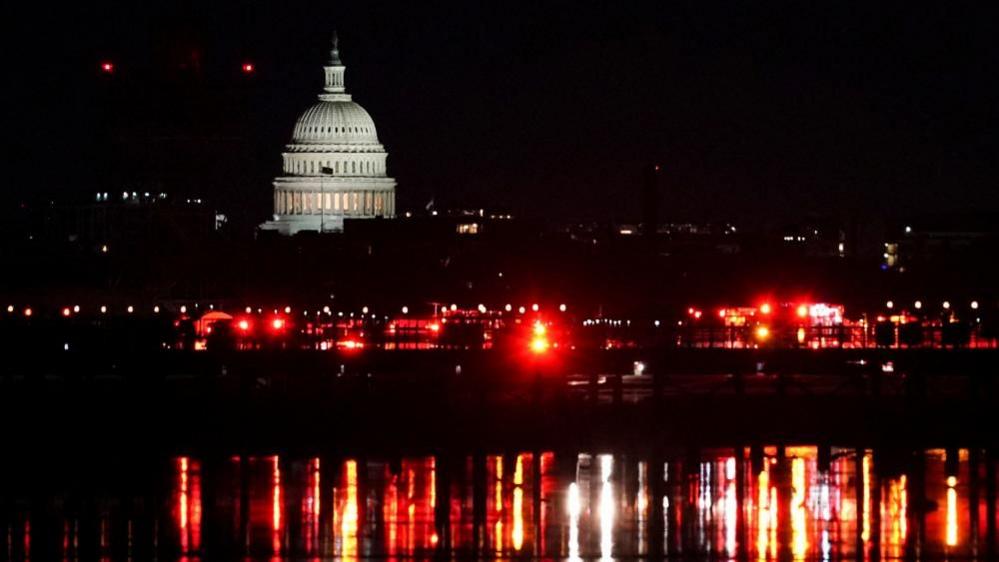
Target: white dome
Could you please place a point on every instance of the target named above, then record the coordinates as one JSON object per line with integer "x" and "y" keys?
{"x": 334, "y": 168}
{"x": 335, "y": 122}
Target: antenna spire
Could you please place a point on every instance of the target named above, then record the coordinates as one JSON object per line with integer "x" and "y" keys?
{"x": 335, "y": 51}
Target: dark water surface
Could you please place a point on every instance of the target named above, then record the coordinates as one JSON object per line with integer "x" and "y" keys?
{"x": 794, "y": 502}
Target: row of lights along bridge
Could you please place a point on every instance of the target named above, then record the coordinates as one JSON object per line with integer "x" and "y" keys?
{"x": 769, "y": 323}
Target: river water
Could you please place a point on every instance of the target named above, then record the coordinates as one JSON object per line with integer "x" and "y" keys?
{"x": 569, "y": 505}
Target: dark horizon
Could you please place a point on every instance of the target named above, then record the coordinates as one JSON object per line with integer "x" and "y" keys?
{"x": 768, "y": 113}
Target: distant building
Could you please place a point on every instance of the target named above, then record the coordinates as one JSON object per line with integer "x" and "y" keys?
{"x": 129, "y": 220}
{"x": 959, "y": 238}
{"x": 334, "y": 167}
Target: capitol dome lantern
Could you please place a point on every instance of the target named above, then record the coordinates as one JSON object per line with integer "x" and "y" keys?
{"x": 334, "y": 167}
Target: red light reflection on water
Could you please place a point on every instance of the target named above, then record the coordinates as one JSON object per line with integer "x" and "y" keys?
{"x": 276, "y": 519}
{"x": 311, "y": 509}
{"x": 349, "y": 516}
{"x": 188, "y": 504}
{"x": 598, "y": 505}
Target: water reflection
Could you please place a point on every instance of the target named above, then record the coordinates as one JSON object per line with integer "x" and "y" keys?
{"x": 779, "y": 503}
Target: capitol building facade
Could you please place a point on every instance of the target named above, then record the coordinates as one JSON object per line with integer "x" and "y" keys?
{"x": 334, "y": 166}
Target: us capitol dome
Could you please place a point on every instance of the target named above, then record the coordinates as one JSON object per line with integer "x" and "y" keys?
{"x": 334, "y": 166}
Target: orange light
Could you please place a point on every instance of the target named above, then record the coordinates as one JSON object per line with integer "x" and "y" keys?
{"x": 802, "y": 311}
{"x": 762, "y": 333}
{"x": 539, "y": 329}
{"x": 66, "y": 311}
{"x": 539, "y": 344}
{"x": 765, "y": 308}
{"x": 27, "y": 312}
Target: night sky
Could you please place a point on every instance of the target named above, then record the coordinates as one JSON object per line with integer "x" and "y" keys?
{"x": 757, "y": 111}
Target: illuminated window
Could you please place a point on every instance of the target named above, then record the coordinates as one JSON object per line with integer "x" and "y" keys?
{"x": 327, "y": 202}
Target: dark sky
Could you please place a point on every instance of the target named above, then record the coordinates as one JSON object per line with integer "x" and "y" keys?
{"x": 755, "y": 109}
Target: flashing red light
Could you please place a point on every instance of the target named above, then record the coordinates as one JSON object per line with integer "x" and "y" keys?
{"x": 765, "y": 308}
{"x": 248, "y": 68}
{"x": 697, "y": 314}
{"x": 66, "y": 311}
{"x": 27, "y": 312}
{"x": 277, "y": 323}
{"x": 435, "y": 327}
{"x": 690, "y": 311}
{"x": 244, "y": 325}
{"x": 107, "y": 67}
{"x": 351, "y": 344}
{"x": 721, "y": 313}
{"x": 802, "y": 311}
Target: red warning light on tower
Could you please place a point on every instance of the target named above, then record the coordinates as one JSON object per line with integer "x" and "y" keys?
{"x": 107, "y": 67}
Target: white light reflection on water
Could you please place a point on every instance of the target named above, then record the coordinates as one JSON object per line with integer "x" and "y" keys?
{"x": 642, "y": 507}
{"x": 606, "y": 507}
{"x": 825, "y": 515}
{"x": 951, "y": 526}
{"x": 731, "y": 507}
{"x": 574, "y": 507}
